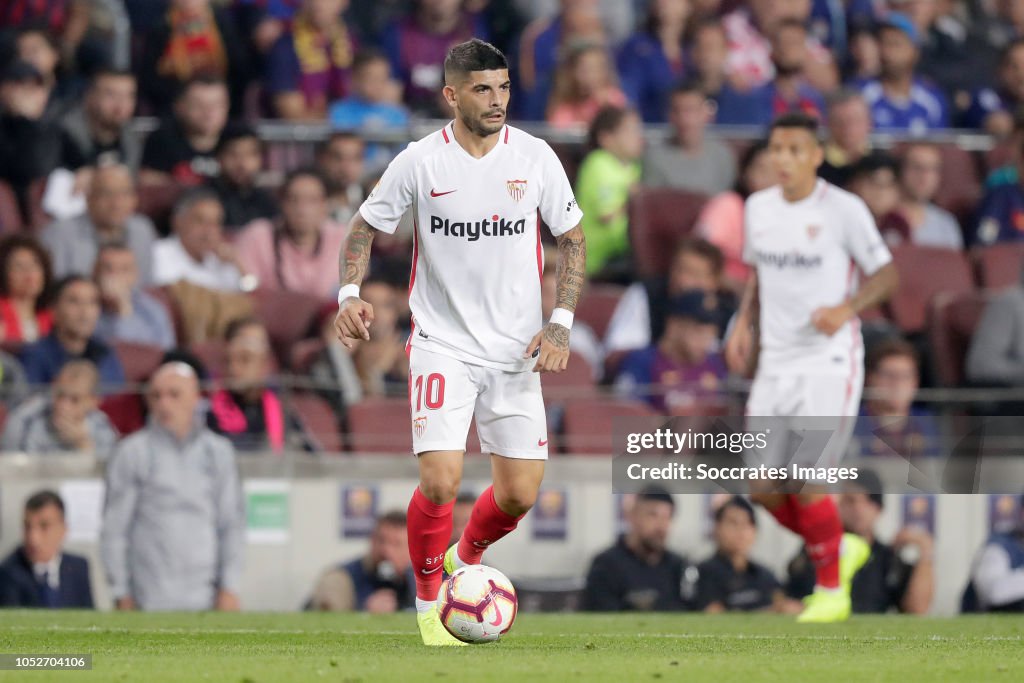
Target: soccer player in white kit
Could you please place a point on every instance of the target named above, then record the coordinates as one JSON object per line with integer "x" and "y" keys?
{"x": 808, "y": 242}
{"x": 478, "y": 343}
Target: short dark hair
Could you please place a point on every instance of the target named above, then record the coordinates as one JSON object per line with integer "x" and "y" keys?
{"x": 236, "y": 326}
{"x": 391, "y": 518}
{"x": 704, "y": 249}
{"x": 738, "y": 502}
{"x": 368, "y": 55}
{"x": 106, "y": 71}
{"x": 607, "y": 120}
{"x": 890, "y": 347}
{"x": 198, "y": 81}
{"x": 38, "y": 501}
{"x": 472, "y": 55}
{"x": 747, "y": 159}
{"x": 15, "y": 242}
{"x": 303, "y": 172}
{"x": 234, "y": 132}
{"x": 341, "y": 135}
{"x": 688, "y": 86}
{"x": 67, "y": 281}
{"x": 871, "y": 164}
{"x": 656, "y": 494}
{"x": 795, "y": 119}
{"x": 192, "y": 196}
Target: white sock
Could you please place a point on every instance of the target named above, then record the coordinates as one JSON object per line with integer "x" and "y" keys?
{"x": 423, "y": 606}
{"x": 459, "y": 562}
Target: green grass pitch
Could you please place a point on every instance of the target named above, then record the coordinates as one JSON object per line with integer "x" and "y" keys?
{"x": 253, "y": 648}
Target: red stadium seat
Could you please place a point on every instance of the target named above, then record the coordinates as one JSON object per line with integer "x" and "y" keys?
{"x": 304, "y": 354}
{"x": 10, "y": 212}
{"x": 288, "y": 317}
{"x": 380, "y": 425}
{"x": 587, "y": 423}
{"x": 597, "y": 305}
{"x": 37, "y": 219}
{"x": 156, "y": 202}
{"x": 212, "y": 354}
{"x": 924, "y": 273}
{"x": 658, "y": 219}
{"x": 951, "y": 324}
{"x": 576, "y": 381}
{"x": 139, "y": 360}
{"x": 127, "y": 412}
{"x": 1000, "y": 265}
{"x": 318, "y": 421}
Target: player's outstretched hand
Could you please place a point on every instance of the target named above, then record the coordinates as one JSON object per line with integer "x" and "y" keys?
{"x": 828, "y": 319}
{"x": 738, "y": 348}
{"x": 551, "y": 346}
{"x": 353, "y": 321}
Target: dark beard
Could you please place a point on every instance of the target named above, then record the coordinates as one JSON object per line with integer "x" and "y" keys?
{"x": 479, "y": 128}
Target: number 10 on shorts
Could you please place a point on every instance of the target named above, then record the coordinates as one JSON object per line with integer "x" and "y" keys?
{"x": 432, "y": 395}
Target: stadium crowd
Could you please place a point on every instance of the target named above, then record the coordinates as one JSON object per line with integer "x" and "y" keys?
{"x": 198, "y": 262}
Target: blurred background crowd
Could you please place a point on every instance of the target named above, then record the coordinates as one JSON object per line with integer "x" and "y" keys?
{"x": 176, "y": 179}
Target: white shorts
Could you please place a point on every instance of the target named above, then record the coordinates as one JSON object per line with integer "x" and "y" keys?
{"x": 821, "y": 408}
{"x": 445, "y": 393}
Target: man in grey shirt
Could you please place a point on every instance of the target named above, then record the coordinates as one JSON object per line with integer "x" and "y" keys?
{"x": 996, "y": 353}
{"x": 128, "y": 313}
{"x": 690, "y": 160}
{"x": 174, "y": 520}
{"x": 68, "y": 420}
{"x": 920, "y": 175}
{"x": 110, "y": 216}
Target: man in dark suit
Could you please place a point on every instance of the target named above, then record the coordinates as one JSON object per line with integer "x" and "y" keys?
{"x": 38, "y": 573}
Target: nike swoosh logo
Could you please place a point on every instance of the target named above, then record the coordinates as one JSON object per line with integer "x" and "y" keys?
{"x": 542, "y": 443}
{"x": 424, "y": 571}
{"x": 497, "y": 615}
{"x": 435, "y": 193}
{"x": 480, "y": 544}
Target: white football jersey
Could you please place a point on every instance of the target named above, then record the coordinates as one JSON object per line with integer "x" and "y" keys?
{"x": 807, "y": 255}
{"x": 474, "y": 290}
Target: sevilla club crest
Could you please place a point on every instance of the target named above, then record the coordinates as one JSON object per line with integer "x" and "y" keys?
{"x": 419, "y": 425}
{"x": 516, "y": 189}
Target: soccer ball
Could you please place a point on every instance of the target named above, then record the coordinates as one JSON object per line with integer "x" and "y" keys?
{"x": 477, "y": 604}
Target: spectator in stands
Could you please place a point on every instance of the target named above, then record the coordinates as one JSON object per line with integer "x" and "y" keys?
{"x": 607, "y": 177}
{"x": 1000, "y": 215}
{"x": 729, "y": 580}
{"x": 996, "y": 353}
{"x": 639, "y": 317}
{"x": 13, "y": 384}
{"x": 76, "y": 311}
{"x": 25, "y": 278}
{"x": 67, "y": 420}
{"x": 248, "y": 410}
{"x": 173, "y": 534}
{"x": 900, "y": 575}
{"x": 381, "y": 362}
{"x": 195, "y": 39}
{"x": 583, "y": 340}
{"x": 864, "y": 62}
{"x": 29, "y": 142}
{"x": 379, "y": 582}
{"x": 417, "y": 45}
{"x": 585, "y": 82}
{"x": 95, "y": 132}
{"x": 240, "y": 158}
{"x": 333, "y": 371}
{"x": 683, "y": 372}
{"x": 38, "y": 573}
{"x": 991, "y": 108}
{"x": 375, "y": 100}
{"x": 111, "y": 203}
{"x": 721, "y": 220}
{"x": 709, "y": 55}
{"x": 197, "y": 251}
{"x": 639, "y": 572}
{"x": 310, "y": 65}
{"x": 749, "y": 29}
{"x": 341, "y": 161}
{"x": 542, "y": 43}
{"x": 901, "y": 100}
{"x": 299, "y": 253}
{"x": 654, "y": 59}
{"x": 889, "y": 423}
{"x": 68, "y": 20}
{"x": 691, "y": 160}
{"x": 919, "y": 178}
{"x": 849, "y": 135}
{"x": 874, "y": 179}
{"x": 461, "y": 512}
{"x": 997, "y": 576}
{"x": 127, "y": 313}
{"x": 183, "y": 148}
{"x": 33, "y": 44}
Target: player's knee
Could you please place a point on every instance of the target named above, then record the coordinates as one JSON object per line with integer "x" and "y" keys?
{"x": 440, "y": 489}
{"x": 516, "y": 501}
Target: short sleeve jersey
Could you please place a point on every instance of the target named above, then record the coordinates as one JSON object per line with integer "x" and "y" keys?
{"x": 808, "y": 254}
{"x": 474, "y": 289}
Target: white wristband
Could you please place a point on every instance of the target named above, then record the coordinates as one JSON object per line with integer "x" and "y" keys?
{"x": 563, "y": 317}
{"x": 346, "y": 291}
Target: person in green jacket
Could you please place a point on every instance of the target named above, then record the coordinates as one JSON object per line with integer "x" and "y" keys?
{"x": 607, "y": 176}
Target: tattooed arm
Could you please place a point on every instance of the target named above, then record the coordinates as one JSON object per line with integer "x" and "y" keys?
{"x": 355, "y": 315}
{"x": 553, "y": 340}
